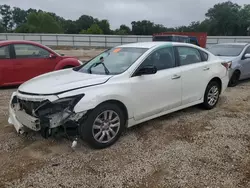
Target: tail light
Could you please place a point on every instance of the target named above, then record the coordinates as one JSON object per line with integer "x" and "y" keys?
{"x": 227, "y": 65}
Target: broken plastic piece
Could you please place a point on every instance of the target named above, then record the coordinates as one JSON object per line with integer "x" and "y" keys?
{"x": 74, "y": 143}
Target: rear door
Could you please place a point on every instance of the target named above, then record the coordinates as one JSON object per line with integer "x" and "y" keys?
{"x": 6, "y": 66}
{"x": 31, "y": 60}
{"x": 195, "y": 73}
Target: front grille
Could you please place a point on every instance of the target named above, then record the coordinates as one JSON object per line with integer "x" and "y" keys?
{"x": 29, "y": 106}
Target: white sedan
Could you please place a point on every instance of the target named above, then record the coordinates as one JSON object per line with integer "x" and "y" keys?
{"x": 119, "y": 88}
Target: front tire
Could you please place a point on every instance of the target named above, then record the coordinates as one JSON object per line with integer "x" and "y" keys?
{"x": 212, "y": 95}
{"x": 234, "y": 80}
{"x": 103, "y": 126}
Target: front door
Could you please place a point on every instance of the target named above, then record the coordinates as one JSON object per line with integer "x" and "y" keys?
{"x": 32, "y": 61}
{"x": 158, "y": 92}
{"x": 6, "y": 66}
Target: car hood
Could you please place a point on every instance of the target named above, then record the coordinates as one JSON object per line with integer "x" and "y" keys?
{"x": 61, "y": 81}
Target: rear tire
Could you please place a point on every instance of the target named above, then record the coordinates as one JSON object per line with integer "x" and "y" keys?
{"x": 234, "y": 80}
{"x": 212, "y": 95}
{"x": 103, "y": 126}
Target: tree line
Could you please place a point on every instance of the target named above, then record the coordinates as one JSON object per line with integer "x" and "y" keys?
{"x": 223, "y": 19}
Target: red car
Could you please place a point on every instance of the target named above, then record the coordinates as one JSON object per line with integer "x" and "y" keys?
{"x": 23, "y": 60}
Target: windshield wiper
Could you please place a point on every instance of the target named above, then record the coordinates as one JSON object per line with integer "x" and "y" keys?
{"x": 96, "y": 64}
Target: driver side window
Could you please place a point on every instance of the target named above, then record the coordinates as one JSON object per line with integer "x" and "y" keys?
{"x": 30, "y": 51}
{"x": 163, "y": 58}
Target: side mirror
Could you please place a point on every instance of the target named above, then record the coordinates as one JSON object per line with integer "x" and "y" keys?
{"x": 150, "y": 69}
{"x": 246, "y": 56}
{"x": 52, "y": 56}
{"x": 62, "y": 54}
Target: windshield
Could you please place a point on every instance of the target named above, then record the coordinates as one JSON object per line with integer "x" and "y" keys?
{"x": 115, "y": 60}
{"x": 226, "y": 50}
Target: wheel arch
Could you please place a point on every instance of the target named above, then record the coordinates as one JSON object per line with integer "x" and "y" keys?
{"x": 66, "y": 62}
{"x": 237, "y": 70}
{"x": 218, "y": 80}
{"x": 118, "y": 103}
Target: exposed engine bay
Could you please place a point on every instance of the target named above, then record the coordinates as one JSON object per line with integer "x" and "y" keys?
{"x": 49, "y": 118}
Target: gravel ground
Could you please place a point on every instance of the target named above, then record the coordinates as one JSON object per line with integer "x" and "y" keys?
{"x": 189, "y": 148}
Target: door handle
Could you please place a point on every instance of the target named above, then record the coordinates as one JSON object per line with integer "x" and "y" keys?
{"x": 206, "y": 68}
{"x": 176, "y": 77}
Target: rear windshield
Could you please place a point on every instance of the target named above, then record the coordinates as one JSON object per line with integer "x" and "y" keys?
{"x": 226, "y": 50}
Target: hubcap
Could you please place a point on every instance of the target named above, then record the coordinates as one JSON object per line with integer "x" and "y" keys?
{"x": 213, "y": 95}
{"x": 106, "y": 126}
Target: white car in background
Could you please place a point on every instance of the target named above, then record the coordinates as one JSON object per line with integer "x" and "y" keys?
{"x": 119, "y": 88}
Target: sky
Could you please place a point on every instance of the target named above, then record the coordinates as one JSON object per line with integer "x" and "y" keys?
{"x": 170, "y": 13}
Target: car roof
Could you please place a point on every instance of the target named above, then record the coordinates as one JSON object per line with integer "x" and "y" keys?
{"x": 6, "y": 42}
{"x": 234, "y": 43}
{"x": 154, "y": 44}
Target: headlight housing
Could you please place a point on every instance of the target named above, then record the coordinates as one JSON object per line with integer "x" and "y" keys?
{"x": 69, "y": 102}
{"x": 58, "y": 105}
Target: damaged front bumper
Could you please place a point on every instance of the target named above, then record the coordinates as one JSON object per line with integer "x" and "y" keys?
{"x": 42, "y": 115}
{"x": 21, "y": 121}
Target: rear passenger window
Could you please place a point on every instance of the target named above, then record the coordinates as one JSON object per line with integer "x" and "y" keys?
{"x": 4, "y": 52}
{"x": 189, "y": 55}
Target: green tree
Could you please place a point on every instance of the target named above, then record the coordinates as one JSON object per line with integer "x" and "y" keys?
{"x": 144, "y": 27}
{"x": 120, "y": 32}
{"x": 40, "y": 22}
{"x": 104, "y": 26}
{"x": 6, "y": 13}
{"x": 84, "y": 22}
{"x": 244, "y": 21}
{"x": 125, "y": 28}
{"x": 19, "y": 16}
{"x": 158, "y": 28}
{"x": 224, "y": 17}
{"x": 94, "y": 29}
{"x": 1, "y": 27}
{"x": 70, "y": 27}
